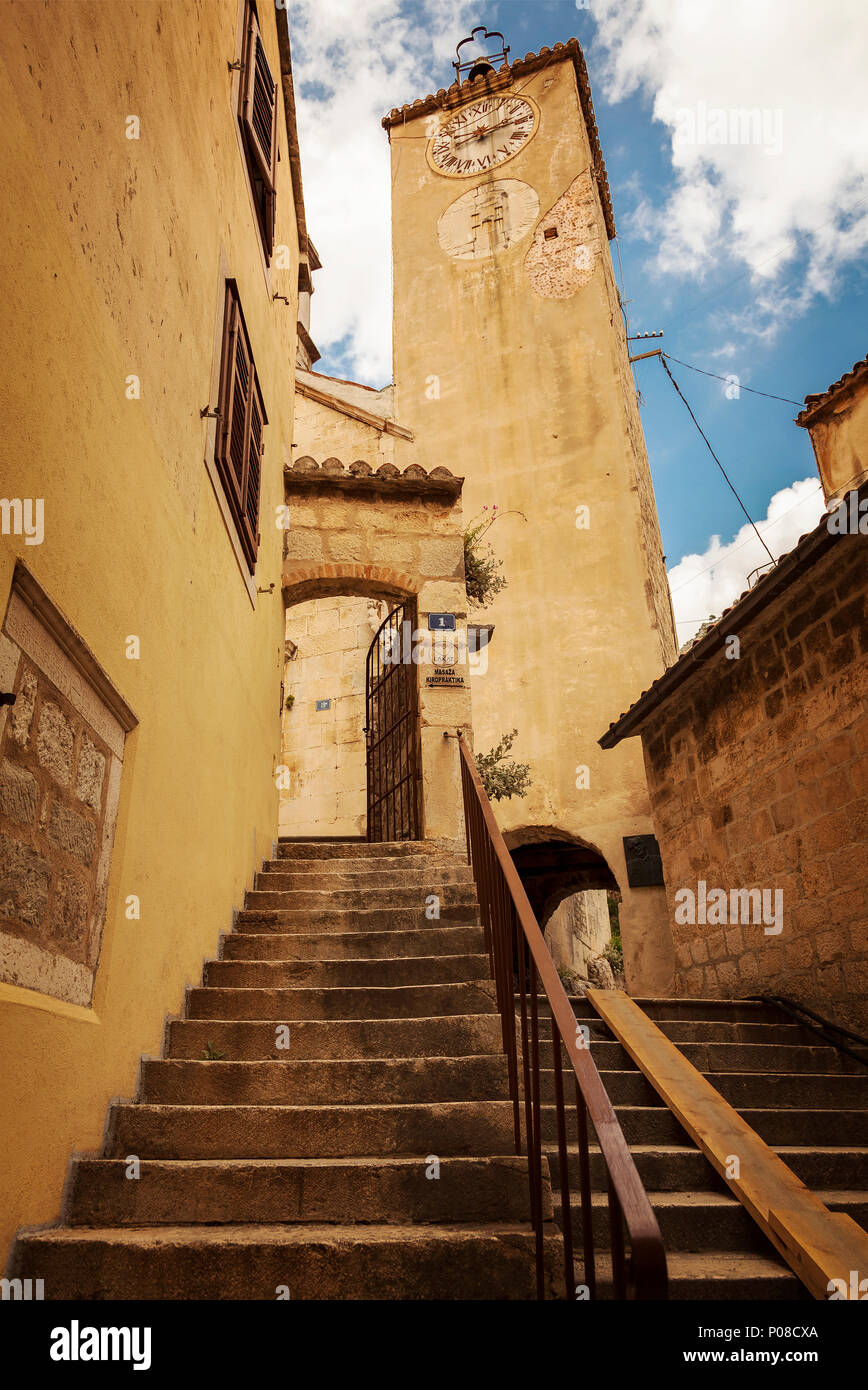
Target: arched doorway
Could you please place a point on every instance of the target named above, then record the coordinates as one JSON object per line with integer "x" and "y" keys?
{"x": 387, "y": 537}
{"x": 574, "y": 895}
{"x": 393, "y": 763}
{"x": 323, "y": 793}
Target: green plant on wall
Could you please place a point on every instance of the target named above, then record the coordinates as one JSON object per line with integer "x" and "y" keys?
{"x": 502, "y": 777}
{"x": 614, "y": 951}
{"x": 482, "y": 577}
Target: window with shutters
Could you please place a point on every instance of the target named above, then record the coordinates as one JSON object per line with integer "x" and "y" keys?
{"x": 240, "y": 427}
{"x": 257, "y": 114}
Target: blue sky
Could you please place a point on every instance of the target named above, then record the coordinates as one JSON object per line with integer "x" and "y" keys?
{"x": 750, "y": 256}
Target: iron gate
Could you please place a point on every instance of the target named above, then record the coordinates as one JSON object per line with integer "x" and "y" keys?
{"x": 392, "y": 729}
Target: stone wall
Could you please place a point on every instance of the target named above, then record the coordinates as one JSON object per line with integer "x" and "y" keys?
{"x": 758, "y": 772}
{"x": 386, "y": 534}
{"x": 837, "y": 421}
{"x": 579, "y": 930}
{"x": 512, "y": 368}
{"x": 324, "y": 749}
{"x": 61, "y": 752}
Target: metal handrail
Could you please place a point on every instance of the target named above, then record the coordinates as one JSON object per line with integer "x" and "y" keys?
{"x": 509, "y": 920}
{"x": 825, "y": 1028}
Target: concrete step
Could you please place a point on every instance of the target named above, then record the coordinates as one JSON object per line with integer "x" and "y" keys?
{"x": 748, "y": 1277}
{"x": 831, "y": 1167}
{"x": 337, "y": 921}
{"x": 491, "y": 1261}
{"x": 338, "y": 900}
{"x": 701, "y": 1221}
{"x": 381, "y": 864}
{"x": 362, "y": 849}
{"x": 310, "y": 1131}
{"x": 624, "y": 1087}
{"x": 689, "y": 1221}
{"x": 275, "y": 1191}
{"x": 453, "y": 1035}
{"x": 786, "y": 1090}
{"x": 714, "y": 1057}
{"x": 336, "y": 974}
{"x": 683, "y": 1168}
{"x": 793, "y": 1058}
{"x": 694, "y": 1010}
{"x": 843, "y": 1091}
{"x": 381, "y": 1082}
{"x": 723, "y": 1031}
{"x": 288, "y": 1005}
{"x": 377, "y": 945}
{"x": 657, "y": 1125}
{"x": 333, "y": 880}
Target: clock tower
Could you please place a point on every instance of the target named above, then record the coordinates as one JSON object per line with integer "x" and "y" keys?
{"x": 511, "y": 368}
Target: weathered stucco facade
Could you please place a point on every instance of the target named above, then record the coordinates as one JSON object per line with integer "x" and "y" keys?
{"x": 511, "y": 369}
{"x": 138, "y": 788}
{"x": 511, "y": 366}
{"x": 837, "y": 421}
{"x": 392, "y": 535}
{"x": 756, "y": 750}
{"x": 324, "y": 716}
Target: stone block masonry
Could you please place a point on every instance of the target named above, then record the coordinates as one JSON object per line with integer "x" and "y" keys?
{"x": 759, "y": 778}
{"x": 60, "y": 763}
{"x": 757, "y": 768}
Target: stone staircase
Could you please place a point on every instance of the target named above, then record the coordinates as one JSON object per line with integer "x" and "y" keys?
{"x": 806, "y": 1099}
{"x": 307, "y": 1171}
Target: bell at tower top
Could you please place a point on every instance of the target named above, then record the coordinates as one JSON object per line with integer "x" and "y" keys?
{"x": 477, "y": 78}
{"x": 476, "y": 55}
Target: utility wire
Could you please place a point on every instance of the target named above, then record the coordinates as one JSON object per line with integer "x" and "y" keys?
{"x": 740, "y": 546}
{"x": 718, "y": 377}
{"x": 717, "y": 460}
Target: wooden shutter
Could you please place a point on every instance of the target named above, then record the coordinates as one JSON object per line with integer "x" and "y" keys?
{"x": 255, "y": 444}
{"x": 259, "y": 106}
{"x": 240, "y": 435}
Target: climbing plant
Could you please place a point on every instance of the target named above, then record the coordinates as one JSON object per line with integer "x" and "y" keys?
{"x": 502, "y": 777}
{"x": 482, "y": 577}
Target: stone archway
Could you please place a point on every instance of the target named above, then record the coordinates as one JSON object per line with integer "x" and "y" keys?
{"x": 568, "y": 882}
{"x": 305, "y": 581}
{"x": 354, "y": 532}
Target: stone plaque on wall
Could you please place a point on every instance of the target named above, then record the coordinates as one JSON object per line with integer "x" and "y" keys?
{"x": 644, "y": 865}
{"x": 61, "y": 752}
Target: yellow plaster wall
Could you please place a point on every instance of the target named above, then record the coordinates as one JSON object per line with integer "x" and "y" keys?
{"x": 840, "y": 440}
{"x": 325, "y": 432}
{"x": 324, "y": 750}
{"x": 115, "y": 252}
{"x": 531, "y": 400}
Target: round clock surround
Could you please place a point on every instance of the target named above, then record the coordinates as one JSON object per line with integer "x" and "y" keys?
{"x": 483, "y": 135}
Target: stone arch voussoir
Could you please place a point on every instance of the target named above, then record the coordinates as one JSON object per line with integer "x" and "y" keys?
{"x": 308, "y": 581}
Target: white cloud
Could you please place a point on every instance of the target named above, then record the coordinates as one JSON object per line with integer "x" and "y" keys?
{"x": 801, "y": 67}
{"x": 706, "y": 584}
{"x": 353, "y": 60}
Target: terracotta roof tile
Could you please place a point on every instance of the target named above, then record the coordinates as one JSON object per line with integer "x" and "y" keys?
{"x": 811, "y": 544}
{"x": 814, "y": 403}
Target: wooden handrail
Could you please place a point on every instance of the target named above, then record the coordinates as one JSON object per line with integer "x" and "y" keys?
{"x": 626, "y": 1192}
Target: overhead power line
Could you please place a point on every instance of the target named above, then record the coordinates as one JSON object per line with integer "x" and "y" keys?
{"x": 716, "y": 459}
{"x": 730, "y": 550}
{"x": 729, "y": 379}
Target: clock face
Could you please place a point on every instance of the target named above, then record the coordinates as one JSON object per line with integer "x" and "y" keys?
{"x": 483, "y": 136}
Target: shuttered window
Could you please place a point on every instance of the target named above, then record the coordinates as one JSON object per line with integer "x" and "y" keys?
{"x": 258, "y": 116}
{"x": 240, "y": 427}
